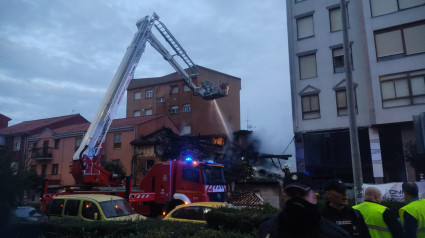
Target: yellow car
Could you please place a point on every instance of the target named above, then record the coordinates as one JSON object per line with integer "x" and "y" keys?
{"x": 91, "y": 207}
{"x": 193, "y": 212}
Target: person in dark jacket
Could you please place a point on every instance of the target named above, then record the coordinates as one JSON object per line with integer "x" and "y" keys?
{"x": 338, "y": 211}
{"x": 300, "y": 217}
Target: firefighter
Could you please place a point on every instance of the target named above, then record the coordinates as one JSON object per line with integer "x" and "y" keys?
{"x": 413, "y": 214}
{"x": 379, "y": 219}
{"x": 300, "y": 217}
{"x": 338, "y": 211}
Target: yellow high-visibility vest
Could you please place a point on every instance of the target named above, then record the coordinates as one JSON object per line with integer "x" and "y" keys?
{"x": 373, "y": 216}
{"x": 417, "y": 210}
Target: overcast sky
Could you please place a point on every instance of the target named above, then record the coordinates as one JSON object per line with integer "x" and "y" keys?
{"x": 57, "y": 57}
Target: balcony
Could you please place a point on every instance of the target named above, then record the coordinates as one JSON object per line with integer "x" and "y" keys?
{"x": 44, "y": 153}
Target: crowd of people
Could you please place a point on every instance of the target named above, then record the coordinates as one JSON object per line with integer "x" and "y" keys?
{"x": 301, "y": 218}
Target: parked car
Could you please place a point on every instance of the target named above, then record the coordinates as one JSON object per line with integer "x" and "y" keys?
{"x": 193, "y": 212}
{"x": 91, "y": 207}
{"x": 28, "y": 213}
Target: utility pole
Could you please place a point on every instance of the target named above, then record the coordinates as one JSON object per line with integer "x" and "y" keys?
{"x": 354, "y": 137}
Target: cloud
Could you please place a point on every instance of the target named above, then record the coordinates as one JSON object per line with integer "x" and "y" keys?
{"x": 54, "y": 54}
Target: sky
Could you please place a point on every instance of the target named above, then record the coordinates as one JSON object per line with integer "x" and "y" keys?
{"x": 58, "y": 57}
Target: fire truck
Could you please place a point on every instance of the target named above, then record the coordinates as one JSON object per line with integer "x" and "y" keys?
{"x": 167, "y": 183}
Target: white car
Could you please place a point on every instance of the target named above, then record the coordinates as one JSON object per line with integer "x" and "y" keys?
{"x": 28, "y": 213}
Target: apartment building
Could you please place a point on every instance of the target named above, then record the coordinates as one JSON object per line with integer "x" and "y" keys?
{"x": 16, "y": 137}
{"x": 191, "y": 114}
{"x": 387, "y": 52}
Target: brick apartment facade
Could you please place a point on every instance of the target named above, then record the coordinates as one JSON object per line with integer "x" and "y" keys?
{"x": 191, "y": 114}
{"x": 16, "y": 137}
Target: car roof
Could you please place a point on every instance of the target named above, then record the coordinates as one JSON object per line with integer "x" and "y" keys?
{"x": 96, "y": 197}
{"x": 205, "y": 204}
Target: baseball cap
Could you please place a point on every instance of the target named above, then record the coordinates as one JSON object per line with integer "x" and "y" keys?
{"x": 337, "y": 185}
{"x": 298, "y": 180}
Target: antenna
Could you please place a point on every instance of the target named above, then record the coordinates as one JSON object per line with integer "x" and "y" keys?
{"x": 248, "y": 125}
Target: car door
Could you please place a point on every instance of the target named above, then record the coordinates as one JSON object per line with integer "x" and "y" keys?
{"x": 71, "y": 208}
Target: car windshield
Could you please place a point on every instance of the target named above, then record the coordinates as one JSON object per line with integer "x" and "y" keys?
{"x": 213, "y": 175}
{"x": 116, "y": 208}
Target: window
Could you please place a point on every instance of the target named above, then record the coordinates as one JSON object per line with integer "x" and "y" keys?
{"x": 186, "y": 130}
{"x": 56, "y": 207}
{"x": 400, "y": 41}
{"x": 191, "y": 174}
{"x": 136, "y": 113}
{"x": 191, "y": 213}
{"x": 116, "y": 162}
{"x": 310, "y": 106}
{"x": 186, "y": 108}
{"x": 89, "y": 209}
{"x": 117, "y": 141}
{"x": 16, "y": 143}
{"x": 174, "y": 109}
{"x": 78, "y": 143}
{"x": 308, "y": 67}
{"x": 174, "y": 89}
{"x": 342, "y": 103}
{"x": 55, "y": 168}
{"x": 305, "y": 26}
{"x": 57, "y": 142}
{"x": 381, "y": 7}
{"x": 71, "y": 207}
{"x": 149, "y": 93}
{"x": 403, "y": 89}
{"x": 339, "y": 60}
{"x": 137, "y": 95}
{"x": 160, "y": 100}
{"x": 186, "y": 88}
{"x": 14, "y": 166}
{"x": 148, "y": 112}
{"x": 335, "y": 19}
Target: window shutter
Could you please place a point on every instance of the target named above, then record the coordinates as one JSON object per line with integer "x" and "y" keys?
{"x": 305, "y": 27}
{"x": 335, "y": 18}
{"x": 418, "y": 85}
{"x": 414, "y": 38}
{"x": 410, "y": 3}
{"x": 389, "y": 43}
{"x": 381, "y": 7}
{"x": 308, "y": 66}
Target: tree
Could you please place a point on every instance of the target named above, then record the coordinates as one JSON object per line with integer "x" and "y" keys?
{"x": 416, "y": 160}
{"x": 114, "y": 167}
{"x": 12, "y": 188}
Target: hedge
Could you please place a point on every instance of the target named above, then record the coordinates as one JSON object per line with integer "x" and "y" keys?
{"x": 109, "y": 229}
{"x": 222, "y": 222}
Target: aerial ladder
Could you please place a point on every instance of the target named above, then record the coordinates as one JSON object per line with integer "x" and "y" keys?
{"x": 86, "y": 168}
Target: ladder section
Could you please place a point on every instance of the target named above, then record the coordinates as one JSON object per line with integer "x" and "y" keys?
{"x": 176, "y": 46}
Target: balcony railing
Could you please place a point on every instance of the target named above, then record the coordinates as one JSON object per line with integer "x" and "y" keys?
{"x": 41, "y": 153}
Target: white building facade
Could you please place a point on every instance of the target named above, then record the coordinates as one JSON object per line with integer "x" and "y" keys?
{"x": 387, "y": 39}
